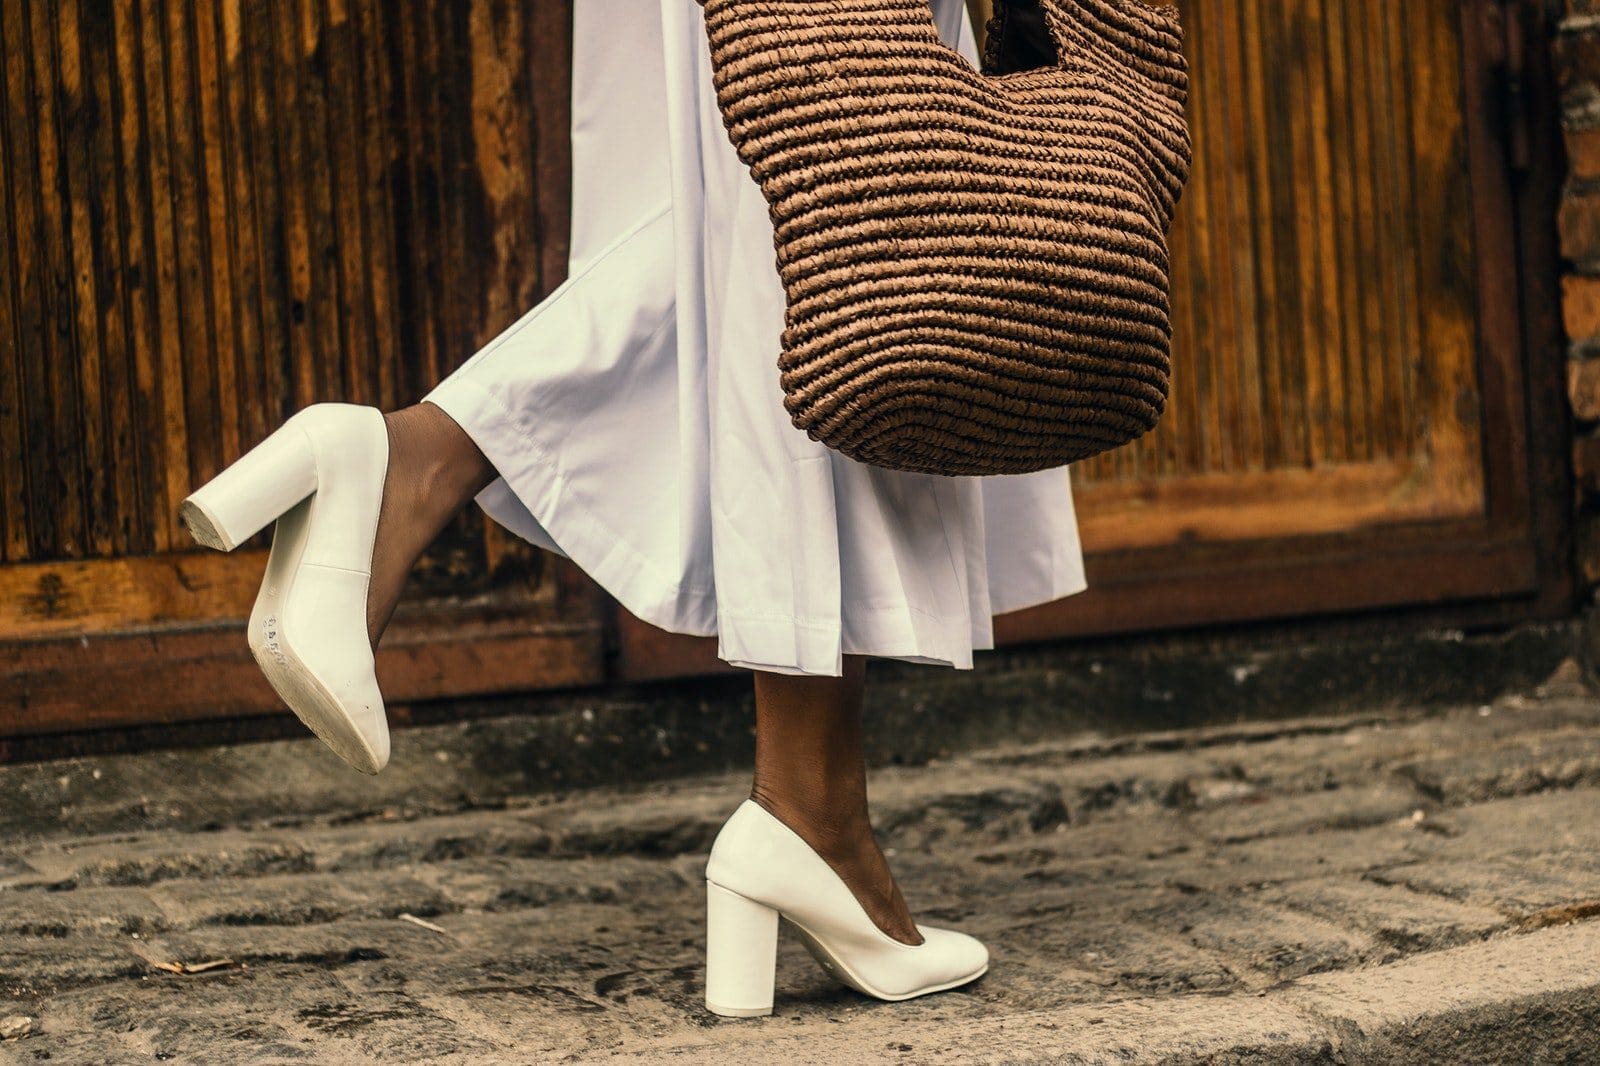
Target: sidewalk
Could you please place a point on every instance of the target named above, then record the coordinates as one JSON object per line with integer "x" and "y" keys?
{"x": 1351, "y": 890}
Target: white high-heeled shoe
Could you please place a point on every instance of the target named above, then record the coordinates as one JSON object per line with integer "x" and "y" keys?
{"x": 320, "y": 475}
{"x": 760, "y": 869}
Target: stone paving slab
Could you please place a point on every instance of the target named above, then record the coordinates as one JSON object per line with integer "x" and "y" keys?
{"x": 1354, "y": 889}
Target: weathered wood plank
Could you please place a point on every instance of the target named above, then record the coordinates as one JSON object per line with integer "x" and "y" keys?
{"x": 143, "y": 678}
{"x": 217, "y": 218}
{"x": 191, "y": 261}
{"x": 13, "y": 441}
{"x": 271, "y": 173}
{"x": 1278, "y": 449}
{"x": 1241, "y": 280}
{"x": 379, "y": 154}
{"x": 414, "y": 70}
{"x": 341, "y": 128}
{"x": 238, "y": 179}
{"x": 153, "y": 437}
{"x": 124, "y": 502}
{"x": 326, "y": 298}
{"x": 1236, "y": 505}
{"x": 98, "y": 596}
{"x": 1447, "y": 384}
{"x": 57, "y": 498}
{"x": 167, "y": 346}
{"x": 1347, "y": 358}
{"x": 294, "y": 208}
{"x": 86, "y": 408}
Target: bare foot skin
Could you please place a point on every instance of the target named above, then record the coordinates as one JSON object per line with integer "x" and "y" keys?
{"x": 434, "y": 470}
{"x": 811, "y": 775}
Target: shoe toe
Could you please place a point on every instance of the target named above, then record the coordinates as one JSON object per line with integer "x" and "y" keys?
{"x": 367, "y": 747}
{"x": 960, "y": 956}
{"x": 367, "y": 756}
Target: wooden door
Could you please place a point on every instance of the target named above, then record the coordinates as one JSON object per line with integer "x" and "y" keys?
{"x": 211, "y": 215}
{"x": 1366, "y": 406}
{"x": 1359, "y": 364}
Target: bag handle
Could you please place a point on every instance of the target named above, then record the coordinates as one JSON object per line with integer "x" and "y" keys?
{"x": 1021, "y": 34}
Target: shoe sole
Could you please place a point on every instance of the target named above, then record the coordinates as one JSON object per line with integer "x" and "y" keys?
{"x": 311, "y": 701}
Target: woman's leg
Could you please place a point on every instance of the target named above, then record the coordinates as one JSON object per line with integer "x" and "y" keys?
{"x": 811, "y": 775}
{"x": 434, "y": 470}
{"x": 810, "y": 766}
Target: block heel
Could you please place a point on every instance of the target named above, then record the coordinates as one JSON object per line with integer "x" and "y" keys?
{"x": 264, "y": 483}
{"x": 741, "y": 954}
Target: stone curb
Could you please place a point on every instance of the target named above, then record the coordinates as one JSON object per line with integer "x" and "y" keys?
{"x": 1524, "y": 999}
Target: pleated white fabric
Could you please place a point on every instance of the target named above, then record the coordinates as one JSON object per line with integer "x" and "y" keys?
{"x": 636, "y": 420}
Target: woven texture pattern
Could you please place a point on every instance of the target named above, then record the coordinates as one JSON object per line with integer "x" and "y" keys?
{"x": 975, "y": 262}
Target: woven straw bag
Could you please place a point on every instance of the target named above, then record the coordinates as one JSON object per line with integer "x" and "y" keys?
{"x": 975, "y": 263}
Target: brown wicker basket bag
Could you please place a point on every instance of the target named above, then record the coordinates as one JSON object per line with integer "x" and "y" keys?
{"x": 975, "y": 263}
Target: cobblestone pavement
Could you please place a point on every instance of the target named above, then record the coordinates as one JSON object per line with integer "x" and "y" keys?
{"x": 1322, "y": 890}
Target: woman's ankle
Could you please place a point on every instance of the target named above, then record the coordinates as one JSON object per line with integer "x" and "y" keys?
{"x": 444, "y": 465}
{"x": 434, "y": 471}
{"x": 842, "y": 836}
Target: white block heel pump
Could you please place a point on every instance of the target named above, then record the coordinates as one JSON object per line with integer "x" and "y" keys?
{"x": 741, "y": 954}
{"x": 759, "y": 870}
{"x": 320, "y": 475}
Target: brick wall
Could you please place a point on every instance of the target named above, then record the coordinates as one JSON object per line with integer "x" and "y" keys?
{"x": 1577, "y": 65}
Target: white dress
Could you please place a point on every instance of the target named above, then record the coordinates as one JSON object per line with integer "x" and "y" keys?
{"x": 637, "y": 424}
